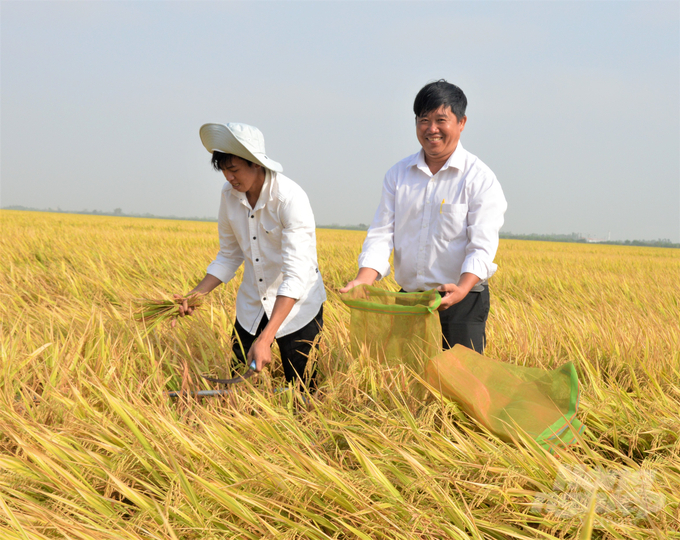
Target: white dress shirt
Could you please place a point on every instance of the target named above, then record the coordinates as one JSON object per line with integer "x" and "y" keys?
{"x": 440, "y": 226}
{"x": 277, "y": 242}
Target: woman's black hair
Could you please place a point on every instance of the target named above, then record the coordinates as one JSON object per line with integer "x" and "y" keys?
{"x": 221, "y": 161}
{"x": 435, "y": 94}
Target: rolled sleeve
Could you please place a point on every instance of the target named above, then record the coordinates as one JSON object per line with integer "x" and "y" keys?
{"x": 297, "y": 243}
{"x": 479, "y": 268}
{"x": 377, "y": 248}
{"x": 486, "y": 209}
{"x": 230, "y": 255}
{"x": 376, "y": 262}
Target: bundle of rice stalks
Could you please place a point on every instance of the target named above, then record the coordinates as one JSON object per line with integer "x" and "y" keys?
{"x": 156, "y": 311}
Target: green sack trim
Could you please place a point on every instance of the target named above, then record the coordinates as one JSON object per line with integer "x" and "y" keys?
{"x": 376, "y": 307}
{"x": 566, "y": 438}
{"x": 565, "y": 426}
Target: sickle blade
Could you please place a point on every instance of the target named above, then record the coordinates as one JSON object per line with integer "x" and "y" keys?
{"x": 241, "y": 378}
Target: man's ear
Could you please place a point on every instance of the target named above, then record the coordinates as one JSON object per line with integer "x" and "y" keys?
{"x": 462, "y": 123}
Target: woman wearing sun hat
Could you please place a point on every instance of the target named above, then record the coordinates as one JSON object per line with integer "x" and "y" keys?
{"x": 265, "y": 221}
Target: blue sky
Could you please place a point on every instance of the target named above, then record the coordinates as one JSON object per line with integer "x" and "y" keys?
{"x": 574, "y": 105}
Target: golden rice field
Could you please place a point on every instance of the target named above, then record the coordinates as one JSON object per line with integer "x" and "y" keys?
{"x": 91, "y": 448}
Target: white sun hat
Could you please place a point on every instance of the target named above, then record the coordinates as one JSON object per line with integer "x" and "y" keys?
{"x": 241, "y": 140}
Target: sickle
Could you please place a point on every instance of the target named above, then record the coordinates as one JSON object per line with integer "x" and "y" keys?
{"x": 247, "y": 375}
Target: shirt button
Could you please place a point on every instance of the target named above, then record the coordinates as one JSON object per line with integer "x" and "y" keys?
{"x": 264, "y": 298}
{"x": 257, "y": 260}
{"x": 254, "y": 237}
{"x": 260, "y": 280}
{"x": 251, "y": 217}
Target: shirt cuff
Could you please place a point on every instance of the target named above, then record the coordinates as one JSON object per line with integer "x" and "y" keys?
{"x": 377, "y": 263}
{"x": 223, "y": 273}
{"x": 480, "y": 268}
{"x": 291, "y": 290}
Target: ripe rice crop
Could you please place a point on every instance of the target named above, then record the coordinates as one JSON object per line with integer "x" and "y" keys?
{"x": 92, "y": 448}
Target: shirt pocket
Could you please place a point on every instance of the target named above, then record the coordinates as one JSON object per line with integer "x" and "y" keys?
{"x": 271, "y": 230}
{"x": 452, "y": 220}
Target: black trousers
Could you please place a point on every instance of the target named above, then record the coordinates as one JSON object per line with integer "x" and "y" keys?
{"x": 295, "y": 348}
{"x": 464, "y": 323}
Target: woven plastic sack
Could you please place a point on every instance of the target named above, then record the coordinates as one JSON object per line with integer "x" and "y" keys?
{"x": 394, "y": 328}
{"x": 503, "y": 397}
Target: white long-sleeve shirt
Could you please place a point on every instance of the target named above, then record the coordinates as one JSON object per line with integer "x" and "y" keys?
{"x": 277, "y": 242}
{"x": 440, "y": 226}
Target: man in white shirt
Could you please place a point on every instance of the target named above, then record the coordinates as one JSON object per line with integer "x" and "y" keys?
{"x": 266, "y": 222}
{"x": 441, "y": 211}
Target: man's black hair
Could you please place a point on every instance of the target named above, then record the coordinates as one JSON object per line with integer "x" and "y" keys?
{"x": 221, "y": 161}
{"x": 435, "y": 94}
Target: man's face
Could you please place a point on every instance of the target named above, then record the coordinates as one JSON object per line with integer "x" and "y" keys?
{"x": 439, "y": 132}
{"x": 240, "y": 174}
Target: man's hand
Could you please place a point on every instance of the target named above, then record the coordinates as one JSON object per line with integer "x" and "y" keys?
{"x": 366, "y": 276}
{"x": 352, "y": 284}
{"x": 455, "y": 293}
{"x": 261, "y": 352}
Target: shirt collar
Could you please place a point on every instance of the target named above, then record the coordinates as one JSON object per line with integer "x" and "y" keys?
{"x": 456, "y": 160}
{"x": 265, "y": 195}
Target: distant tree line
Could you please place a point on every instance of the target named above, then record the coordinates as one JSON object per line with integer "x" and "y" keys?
{"x": 577, "y": 238}
{"x": 117, "y": 212}
{"x": 573, "y": 237}
{"x": 360, "y": 227}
